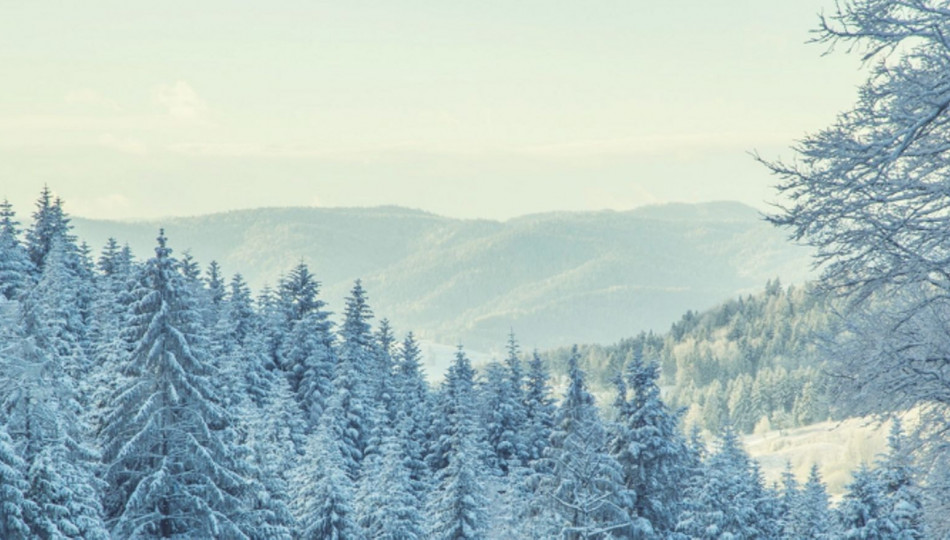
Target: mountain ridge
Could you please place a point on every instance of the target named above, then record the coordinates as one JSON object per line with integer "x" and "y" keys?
{"x": 556, "y": 277}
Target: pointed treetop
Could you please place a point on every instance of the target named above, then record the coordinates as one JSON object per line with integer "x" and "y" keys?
{"x": 512, "y": 347}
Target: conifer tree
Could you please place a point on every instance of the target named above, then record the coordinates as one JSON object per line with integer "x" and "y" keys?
{"x": 169, "y": 469}
{"x": 721, "y": 502}
{"x": 310, "y": 360}
{"x": 413, "y": 415}
{"x": 388, "y": 507}
{"x": 503, "y": 419}
{"x": 108, "y": 347}
{"x": 297, "y": 294}
{"x": 901, "y": 494}
{"x": 269, "y": 424}
{"x": 49, "y": 222}
{"x": 788, "y": 502}
{"x": 215, "y": 283}
{"x": 382, "y": 391}
{"x": 15, "y": 265}
{"x": 53, "y": 309}
{"x": 457, "y": 510}
{"x": 649, "y": 447}
{"x": 811, "y": 517}
{"x": 539, "y": 409}
{"x": 353, "y": 415}
{"x": 14, "y": 506}
{"x": 325, "y": 498}
{"x": 585, "y": 488}
{"x": 863, "y": 510}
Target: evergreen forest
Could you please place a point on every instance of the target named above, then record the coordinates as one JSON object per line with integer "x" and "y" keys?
{"x": 156, "y": 397}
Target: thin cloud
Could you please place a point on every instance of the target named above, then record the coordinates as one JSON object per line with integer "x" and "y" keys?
{"x": 181, "y": 101}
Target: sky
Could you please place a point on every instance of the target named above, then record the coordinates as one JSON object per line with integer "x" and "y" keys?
{"x": 491, "y": 109}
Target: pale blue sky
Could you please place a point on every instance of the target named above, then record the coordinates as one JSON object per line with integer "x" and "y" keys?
{"x": 470, "y": 109}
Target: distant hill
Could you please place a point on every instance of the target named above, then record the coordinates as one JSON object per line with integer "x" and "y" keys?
{"x": 555, "y": 278}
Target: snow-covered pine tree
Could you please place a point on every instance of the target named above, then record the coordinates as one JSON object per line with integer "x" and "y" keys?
{"x": 647, "y": 443}
{"x": 765, "y": 500}
{"x": 53, "y": 311}
{"x": 413, "y": 415}
{"x": 788, "y": 500}
{"x": 169, "y": 469}
{"x": 297, "y": 294}
{"x": 720, "y": 502}
{"x": 14, "y": 506}
{"x": 458, "y": 507}
{"x": 387, "y": 505}
{"x": 382, "y": 392}
{"x": 351, "y": 385}
{"x": 584, "y": 490}
{"x": 310, "y": 360}
{"x": 49, "y": 222}
{"x": 41, "y": 416}
{"x": 863, "y": 511}
{"x": 539, "y": 409}
{"x": 15, "y": 265}
{"x": 269, "y": 425}
{"x": 902, "y": 495}
{"x": 324, "y": 499}
{"x": 214, "y": 280}
{"x": 503, "y": 418}
{"x": 810, "y": 514}
{"x": 108, "y": 347}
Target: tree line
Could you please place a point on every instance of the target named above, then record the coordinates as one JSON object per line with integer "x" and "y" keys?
{"x": 154, "y": 399}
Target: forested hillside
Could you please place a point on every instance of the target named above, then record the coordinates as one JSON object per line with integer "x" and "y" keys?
{"x": 754, "y": 360}
{"x": 155, "y": 398}
{"x": 594, "y": 277}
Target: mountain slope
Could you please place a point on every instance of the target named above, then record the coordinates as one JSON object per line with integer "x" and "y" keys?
{"x": 555, "y": 278}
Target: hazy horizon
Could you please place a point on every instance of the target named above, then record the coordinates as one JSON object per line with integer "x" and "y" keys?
{"x": 490, "y": 111}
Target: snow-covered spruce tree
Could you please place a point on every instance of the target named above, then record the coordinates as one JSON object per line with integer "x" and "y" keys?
{"x": 503, "y": 418}
{"x": 214, "y": 280}
{"x": 14, "y": 506}
{"x": 539, "y": 409}
{"x": 454, "y": 399}
{"x": 382, "y": 391}
{"x": 295, "y": 297}
{"x": 862, "y": 512}
{"x": 49, "y": 222}
{"x": 324, "y": 500}
{"x": 720, "y": 503}
{"x": 15, "y": 265}
{"x": 352, "y": 419}
{"x": 108, "y": 347}
{"x": 169, "y": 470}
{"x": 765, "y": 500}
{"x": 297, "y": 294}
{"x": 788, "y": 501}
{"x": 40, "y": 414}
{"x": 458, "y": 508}
{"x": 269, "y": 426}
{"x": 647, "y": 443}
{"x": 870, "y": 193}
{"x": 310, "y": 360}
{"x": 810, "y": 516}
{"x": 584, "y": 490}
{"x": 413, "y": 415}
{"x": 387, "y": 505}
{"x": 901, "y": 494}
{"x": 53, "y": 311}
